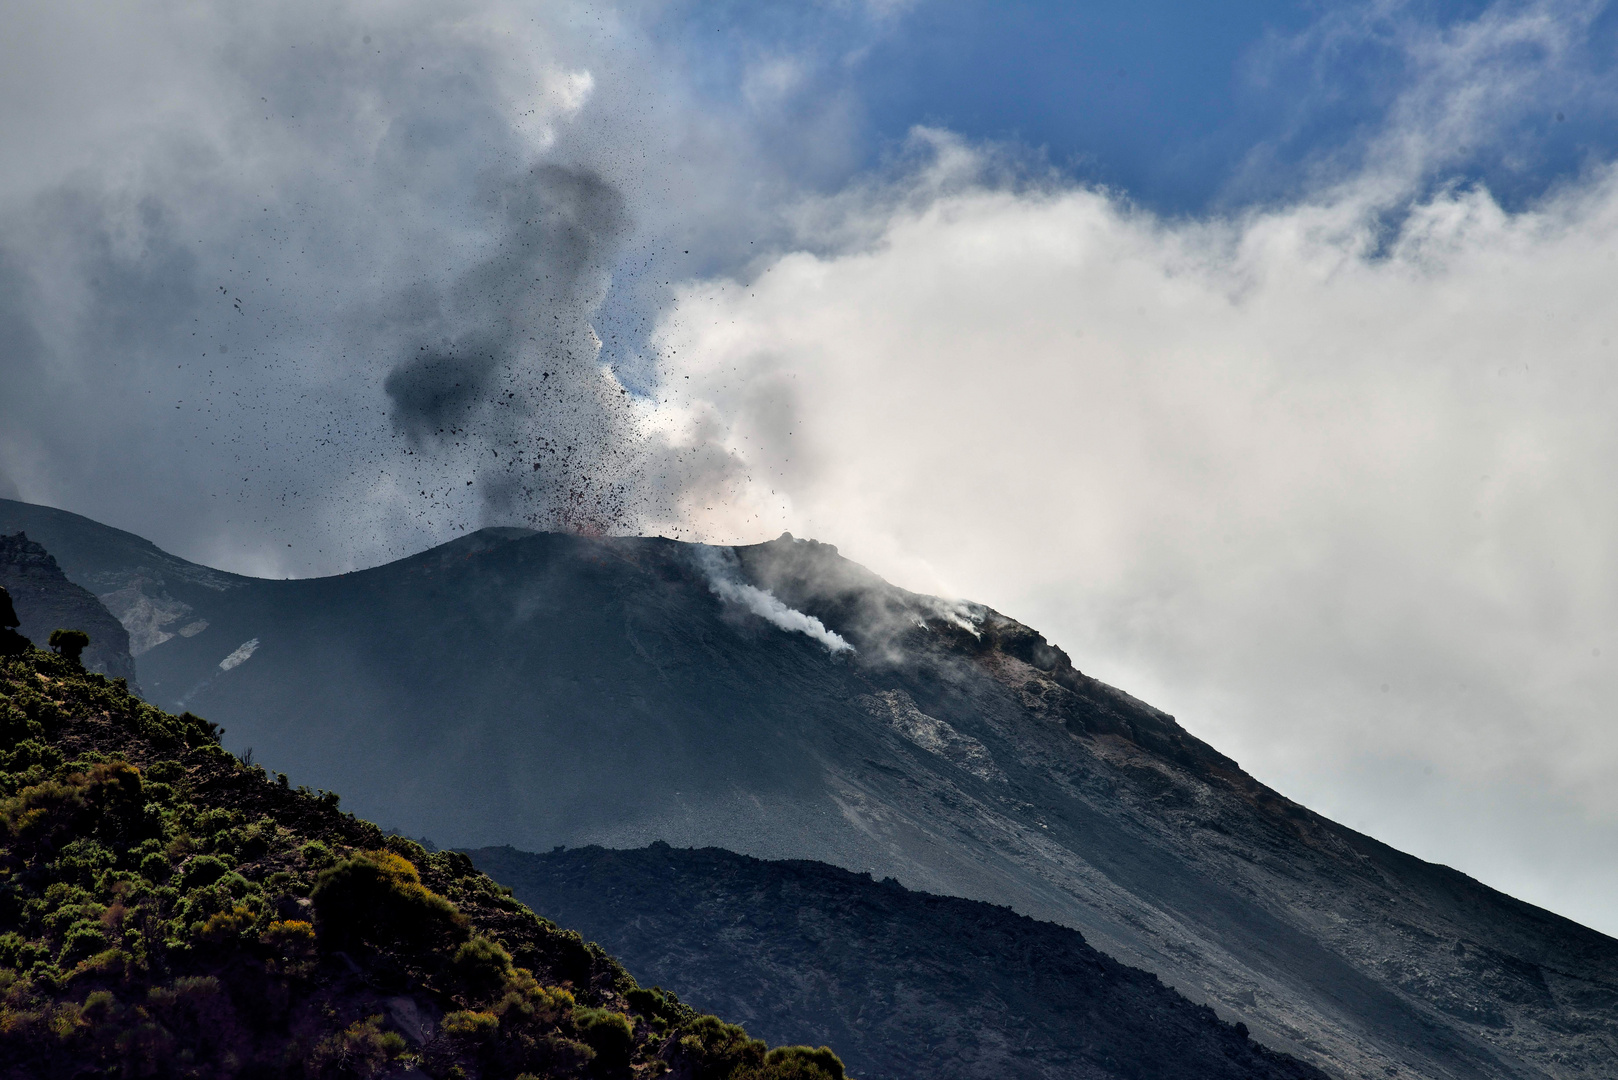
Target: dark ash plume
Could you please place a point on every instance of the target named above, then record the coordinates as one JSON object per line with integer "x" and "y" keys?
{"x": 435, "y": 389}
{"x": 514, "y": 386}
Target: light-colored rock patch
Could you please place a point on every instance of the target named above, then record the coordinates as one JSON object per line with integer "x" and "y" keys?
{"x": 898, "y": 710}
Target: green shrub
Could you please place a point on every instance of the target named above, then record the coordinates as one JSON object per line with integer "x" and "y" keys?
{"x": 112, "y": 963}
{"x": 99, "y": 1007}
{"x": 483, "y": 967}
{"x": 317, "y": 855}
{"x": 39, "y": 815}
{"x": 378, "y": 897}
{"x": 20, "y": 954}
{"x": 203, "y": 870}
{"x": 83, "y": 939}
{"x": 28, "y": 753}
{"x": 452, "y": 864}
{"x": 293, "y": 939}
{"x": 166, "y": 772}
{"x": 155, "y": 867}
{"x": 796, "y": 1063}
{"x": 225, "y": 926}
{"x": 255, "y": 840}
{"x": 83, "y": 860}
{"x": 16, "y": 726}
{"x": 70, "y": 644}
{"x": 215, "y": 825}
{"x": 524, "y": 1000}
{"x": 656, "y": 1003}
{"x": 713, "y": 1049}
{"x": 608, "y": 1033}
{"x": 403, "y": 845}
{"x": 470, "y": 1025}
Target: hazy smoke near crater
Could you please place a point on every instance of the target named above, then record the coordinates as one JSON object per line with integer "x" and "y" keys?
{"x": 509, "y": 383}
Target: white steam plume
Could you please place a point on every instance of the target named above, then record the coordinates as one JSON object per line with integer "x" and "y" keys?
{"x": 724, "y": 578}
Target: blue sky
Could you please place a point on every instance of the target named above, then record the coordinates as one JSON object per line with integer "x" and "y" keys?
{"x": 1184, "y": 107}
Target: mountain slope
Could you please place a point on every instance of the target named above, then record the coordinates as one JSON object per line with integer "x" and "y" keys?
{"x": 905, "y": 985}
{"x": 151, "y": 593}
{"x": 46, "y": 600}
{"x": 168, "y": 911}
{"x": 535, "y": 690}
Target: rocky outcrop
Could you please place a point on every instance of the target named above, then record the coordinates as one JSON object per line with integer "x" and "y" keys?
{"x": 155, "y": 596}
{"x": 46, "y": 600}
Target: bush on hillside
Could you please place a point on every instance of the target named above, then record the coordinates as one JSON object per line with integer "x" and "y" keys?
{"x": 609, "y": 1034}
{"x": 714, "y": 1050}
{"x": 377, "y": 897}
{"x": 482, "y": 967}
{"x": 796, "y": 1063}
{"x": 70, "y": 644}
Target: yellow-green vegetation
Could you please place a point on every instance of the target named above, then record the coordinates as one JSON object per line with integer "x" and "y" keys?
{"x": 166, "y": 910}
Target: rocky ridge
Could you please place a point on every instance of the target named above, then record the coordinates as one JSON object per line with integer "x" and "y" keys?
{"x": 46, "y": 600}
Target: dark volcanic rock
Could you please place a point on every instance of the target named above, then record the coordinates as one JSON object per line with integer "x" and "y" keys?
{"x": 903, "y": 985}
{"x": 46, "y": 600}
{"x": 537, "y": 689}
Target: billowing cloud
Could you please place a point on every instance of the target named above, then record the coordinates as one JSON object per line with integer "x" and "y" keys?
{"x": 1332, "y": 492}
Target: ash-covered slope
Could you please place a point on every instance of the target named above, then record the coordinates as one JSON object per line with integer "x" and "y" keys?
{"x": 904, "y": 985}
{"x": 534, "y": 690}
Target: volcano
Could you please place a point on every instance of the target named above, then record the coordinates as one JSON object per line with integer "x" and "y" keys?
{"x": 536, "y": 690}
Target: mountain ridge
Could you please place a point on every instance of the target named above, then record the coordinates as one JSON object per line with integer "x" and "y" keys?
{"x": 576, "y": 691}
{"x": 904, "y": 984}
{"x": 46, "y": 601}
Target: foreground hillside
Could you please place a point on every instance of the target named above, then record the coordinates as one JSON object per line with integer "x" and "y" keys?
{"x": 168, "y": 911}
{"x": 537, "y": 689}
{"x": 906, "y": 985}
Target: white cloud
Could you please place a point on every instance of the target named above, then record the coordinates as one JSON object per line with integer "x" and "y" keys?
{"x": 767, "y": 81}
{"x": 1254, "y": 469}
{"x": 340, "y": 169}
